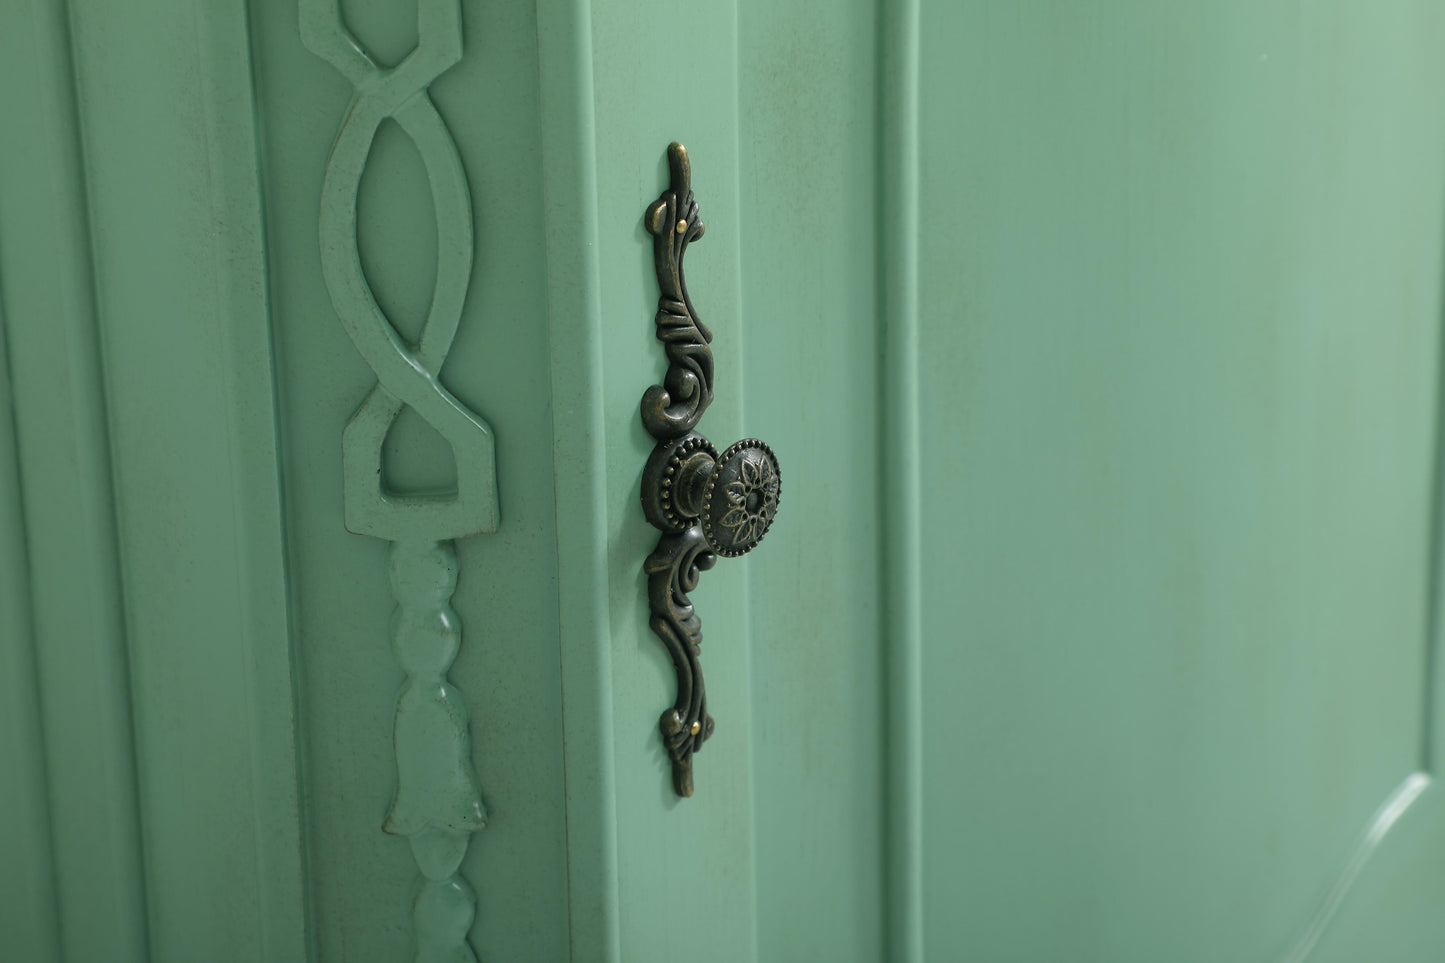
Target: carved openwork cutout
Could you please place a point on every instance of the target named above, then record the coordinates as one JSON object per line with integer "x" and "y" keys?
{"x": 406, "y": 374}
{"x": 438, "y": 804}
{"x": 705, "y": 504}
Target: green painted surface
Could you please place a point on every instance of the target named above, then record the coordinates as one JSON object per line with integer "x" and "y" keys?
{"x": 76, "y": 614}
{"x": 1181, "y": 301}
{"x": 178, "y": 256}
{"x": 1171, "y": 289}
{"x": 810, "y": 381}
{"x": 1392, "y": 912}
{"x": 696, "y": 852}
{"x": 28, "y": 912}
{"x": 363, "y": 881}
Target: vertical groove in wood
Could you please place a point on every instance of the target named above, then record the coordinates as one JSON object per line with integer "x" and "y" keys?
{"x": 167, "y": 115}
{"x": 902, "y": 512}
{"x": 81, "y": 655}
{"x": 27, "y": 853}
{"x": 263, "y": 578}
{"x": 738, "y": 336}
{"x": 569, "y": 165}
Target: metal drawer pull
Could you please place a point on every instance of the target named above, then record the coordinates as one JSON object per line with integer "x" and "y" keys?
{"x": 705, "y": 504}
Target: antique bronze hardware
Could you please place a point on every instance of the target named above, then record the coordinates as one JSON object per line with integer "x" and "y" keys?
{"x": 705, "y": 504}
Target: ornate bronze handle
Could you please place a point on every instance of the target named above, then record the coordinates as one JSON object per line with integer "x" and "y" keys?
{"x": 705, "y": 504}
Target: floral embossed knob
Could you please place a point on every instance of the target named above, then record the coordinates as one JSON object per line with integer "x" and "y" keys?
{"x": 705, "y": 504}
{"x": 740, "y": 498}
{"x": 732, "y": 497}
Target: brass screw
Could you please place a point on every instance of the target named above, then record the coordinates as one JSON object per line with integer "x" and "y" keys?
{"x": 681, "y": 226}
{"x": 696, "y": 728}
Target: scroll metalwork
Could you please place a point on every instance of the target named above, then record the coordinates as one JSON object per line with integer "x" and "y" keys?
{"x": 438, "y": 804}
{"x": 674, "y": 407}
{"x": 705, "y": 504}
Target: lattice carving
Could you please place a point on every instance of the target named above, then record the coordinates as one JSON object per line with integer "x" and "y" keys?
{"x": 438, "y": 804}
{"x": 406, "y": 374}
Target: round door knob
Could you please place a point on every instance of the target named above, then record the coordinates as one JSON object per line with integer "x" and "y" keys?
{"x": 732, "y": 497}
{"x": 740, "y": 498}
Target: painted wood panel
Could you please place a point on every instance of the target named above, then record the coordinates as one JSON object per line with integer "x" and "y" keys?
{"x": 809, "y": 170}
{"x": 1099, "y": 343}
{"x": 506, "y": 597}
{"x": 1390, "y": 911}
{"x": 673, "y": 854}
{"x": 29, "y": 916}
{"x": 1181, "y": 310}
{"x": 580, "y": 482}
{"x": 62, "y": 439}
{"x": 166, "y": 117}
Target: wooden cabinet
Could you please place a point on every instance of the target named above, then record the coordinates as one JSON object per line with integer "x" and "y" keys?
{"x": 1100, "y": 347}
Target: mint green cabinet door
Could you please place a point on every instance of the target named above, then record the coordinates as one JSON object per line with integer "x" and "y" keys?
{"x": 1180, "y": 301}
{"x": 1099, "y": 343}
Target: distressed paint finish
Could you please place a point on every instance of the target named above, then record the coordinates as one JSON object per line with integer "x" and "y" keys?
{"x": 1169, "y": 285}
{"x": 438, "y": 803}
{"x": 1180, "y": 304}
{"x": 809, "y": 77}
{"x": 1112, "y": 196}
